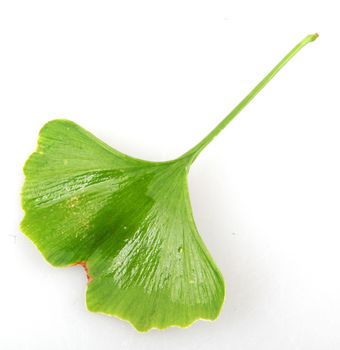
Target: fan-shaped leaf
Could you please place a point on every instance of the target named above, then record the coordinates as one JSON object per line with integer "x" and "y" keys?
{"x": 127, "y": 221}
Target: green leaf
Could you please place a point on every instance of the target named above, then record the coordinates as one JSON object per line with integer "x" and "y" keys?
{"x": 130, "y": 220}
{"x": 127, "y": 221}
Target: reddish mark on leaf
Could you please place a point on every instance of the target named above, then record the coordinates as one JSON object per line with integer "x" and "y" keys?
{"x": 84, "y": 265}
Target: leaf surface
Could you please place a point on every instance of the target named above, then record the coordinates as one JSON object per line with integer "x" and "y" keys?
{"x": 129, "y": 220}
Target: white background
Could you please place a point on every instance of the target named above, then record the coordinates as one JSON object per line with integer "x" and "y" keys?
{"x": 151, "y": 78}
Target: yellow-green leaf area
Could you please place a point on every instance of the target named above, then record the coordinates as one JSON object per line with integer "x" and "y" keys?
{"x": 128, "y": 221}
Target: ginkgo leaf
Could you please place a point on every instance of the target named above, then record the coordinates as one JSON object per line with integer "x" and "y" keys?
{"x": 128, "y": 221}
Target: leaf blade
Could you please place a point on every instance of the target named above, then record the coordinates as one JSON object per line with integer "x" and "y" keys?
{"x": 129, "y": 220}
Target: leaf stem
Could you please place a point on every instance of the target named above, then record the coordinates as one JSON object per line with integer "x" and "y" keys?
{"x": 195, "y": 151}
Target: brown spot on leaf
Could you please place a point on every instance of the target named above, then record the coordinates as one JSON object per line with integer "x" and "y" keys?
{"x": 84, "y": 265}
